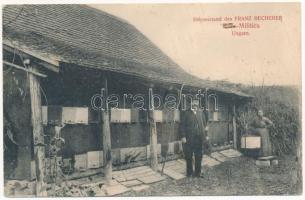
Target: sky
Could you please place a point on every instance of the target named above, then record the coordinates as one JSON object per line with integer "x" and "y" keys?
{"x": 270, "y": 55}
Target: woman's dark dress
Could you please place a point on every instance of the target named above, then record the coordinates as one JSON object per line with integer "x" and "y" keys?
{"x": 261, "y": 124}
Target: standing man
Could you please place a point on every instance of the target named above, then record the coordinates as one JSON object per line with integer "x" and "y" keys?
{"x": 193, "y": 128}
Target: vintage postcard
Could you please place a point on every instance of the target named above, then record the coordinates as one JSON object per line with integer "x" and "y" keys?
{"x": 197, "y": 99}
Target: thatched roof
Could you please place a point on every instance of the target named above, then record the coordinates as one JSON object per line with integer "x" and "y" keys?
{"x": 88, "y": 37}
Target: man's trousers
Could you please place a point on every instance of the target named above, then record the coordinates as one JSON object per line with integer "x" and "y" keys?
{"x": 193, "y": 146}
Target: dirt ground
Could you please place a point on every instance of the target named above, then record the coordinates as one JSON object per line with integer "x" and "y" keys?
{"x": 239, "y": 176}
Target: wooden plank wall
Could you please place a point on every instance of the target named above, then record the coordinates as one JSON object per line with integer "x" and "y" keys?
{"x": 220, "y": 131}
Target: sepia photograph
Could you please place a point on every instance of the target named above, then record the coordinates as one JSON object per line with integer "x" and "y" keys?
{"x": 152, "y": 99}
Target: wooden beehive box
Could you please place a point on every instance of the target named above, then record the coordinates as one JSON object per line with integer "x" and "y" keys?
{"x": 75, "y": 115}
{"x": 158, "y": 115}
{"x": 94, "y": 159}
{"x": 81, "y": 115}
{"x": 68, "y": 115}
{"x": 120, "y": 115}
{"x": 80, "y": 162}
{"x": 250, "y": 142}
{"x": 177, "y": 115}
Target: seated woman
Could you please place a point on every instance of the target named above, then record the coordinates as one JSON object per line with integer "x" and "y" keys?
{"x": 261, "y": 125}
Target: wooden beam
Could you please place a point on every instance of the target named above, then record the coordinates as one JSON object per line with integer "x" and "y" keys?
{"x": 234, "y": 127}
{"x": 38, "y": 135}
{"x": 105, "y": 120}
{"x": 47, "y": 60}
{"x": 48, "y": 66}
{"x": 25, "y": 69}
{"x": 153, "y": 136}
{"x": 206, "y": 102}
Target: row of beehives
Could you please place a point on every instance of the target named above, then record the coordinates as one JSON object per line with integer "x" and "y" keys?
{"x": 94, "y": 159}
{"x": 85, "y": 115}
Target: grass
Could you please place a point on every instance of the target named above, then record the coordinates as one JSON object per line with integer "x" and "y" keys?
{"x": 239, "y": 176}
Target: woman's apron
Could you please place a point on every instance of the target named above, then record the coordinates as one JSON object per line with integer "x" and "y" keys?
{"x": 265, "y": 142}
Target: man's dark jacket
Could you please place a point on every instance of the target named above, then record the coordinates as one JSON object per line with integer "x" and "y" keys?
{"x": 192, "y": 125}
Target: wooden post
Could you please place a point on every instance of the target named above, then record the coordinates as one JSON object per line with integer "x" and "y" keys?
{"x": 206, "y": 102}
{"x": 106, "y": 136}
{"x": 38, "y": 135}
{"x": 153, "y": 135}
{"x": 234, "y": 127}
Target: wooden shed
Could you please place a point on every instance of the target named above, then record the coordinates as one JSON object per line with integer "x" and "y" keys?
{"x": 71, "y": 52}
